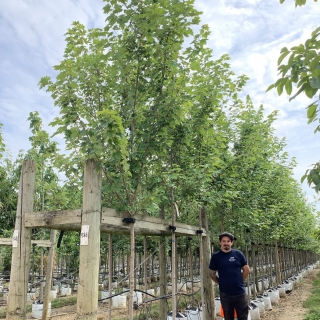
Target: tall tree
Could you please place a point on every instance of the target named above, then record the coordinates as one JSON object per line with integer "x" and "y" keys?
{"x": 299, "y": 67}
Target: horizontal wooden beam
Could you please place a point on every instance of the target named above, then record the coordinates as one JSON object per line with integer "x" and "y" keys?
{"x": 39, "y": 243}
{"x": 58, "y": 220}
{"x": 111, "y": 222}
{"x": 5, "y": 242}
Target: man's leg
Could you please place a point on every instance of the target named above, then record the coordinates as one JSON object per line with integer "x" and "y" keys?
{"x": 227, "y": 303}
{"x": 241, "y": 306}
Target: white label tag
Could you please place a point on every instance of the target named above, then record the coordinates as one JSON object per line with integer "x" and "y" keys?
{"x": 84, "y": 236}
{"x": 15, "y": 238}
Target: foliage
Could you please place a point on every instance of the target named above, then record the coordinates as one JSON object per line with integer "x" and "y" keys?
{"x": 299, "y": 2}
{"x": 144, "y": 97}
{"x": 300, "y": 67}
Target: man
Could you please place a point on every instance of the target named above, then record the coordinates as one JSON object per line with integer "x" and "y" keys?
{"x": 232, "y": 270}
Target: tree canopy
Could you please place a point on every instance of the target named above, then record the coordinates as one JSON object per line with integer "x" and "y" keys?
{"x": 146, "y": 98}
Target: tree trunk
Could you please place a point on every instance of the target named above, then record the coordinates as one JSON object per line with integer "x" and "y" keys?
{"x": 131, "y": 279}
{"x": 163, "y": 272}
{"x": 49, "y": 272}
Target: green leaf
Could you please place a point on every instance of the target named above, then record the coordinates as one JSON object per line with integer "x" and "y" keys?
{"x": 309, "y": 91}
{"x": 288, "y": 87}
{"x": 282, "y": 56}
{"x": 281, "y": 85}
{"x": 315, "y": 83}
{"x": 270, "y": 87}
{"x": 298, "y": 92}
{"x": 311, "y": 111}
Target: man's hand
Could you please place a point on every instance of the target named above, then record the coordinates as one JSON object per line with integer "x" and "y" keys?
{"x": 213, "y": 276}
{"x": 245, "y": 271}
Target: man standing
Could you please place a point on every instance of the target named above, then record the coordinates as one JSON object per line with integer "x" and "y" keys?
{"x": 232, "y": 270}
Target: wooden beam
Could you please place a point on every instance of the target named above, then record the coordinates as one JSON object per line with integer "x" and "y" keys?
{"x": 39, "y": 243}
{"x": 20, "y": 262}
{"x": 89, "y": 258}
{"x": 5, "y": 242}
{"x": 111, "y": 222}
{"x": 57, "y": 220}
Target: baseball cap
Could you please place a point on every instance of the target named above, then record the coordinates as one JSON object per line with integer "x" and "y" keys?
{"x": 226, "y": 234}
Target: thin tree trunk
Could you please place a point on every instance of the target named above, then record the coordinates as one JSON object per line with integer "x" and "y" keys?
{"x": 173, "y": 260}
{"x": 163, "y": 272}
{"x": 49, "y": 272}
{"x": 110, "y": 274}
{"x": 131, "y": 279}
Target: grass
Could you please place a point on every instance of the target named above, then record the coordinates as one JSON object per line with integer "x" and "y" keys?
{"x": 55, "y": 303}
{"x": 153, "y": 309}
{"x": 313, "y": 302}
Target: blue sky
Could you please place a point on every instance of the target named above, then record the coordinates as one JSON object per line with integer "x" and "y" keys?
{"x": 252, "y": 32}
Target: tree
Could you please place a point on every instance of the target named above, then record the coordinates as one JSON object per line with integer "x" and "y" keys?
{"x": 300, "y": 67}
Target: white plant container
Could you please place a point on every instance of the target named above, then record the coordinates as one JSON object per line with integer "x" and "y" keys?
{"x": 217, "y": 304}
{"x": 179, "y": 315}
{"x": 254, "y": 312}
{"x": 274, "y": 296}
{"x": 53, "y": 294}
{"x": 282, "y": 291}
{"x": 194, "y": 314}
{"x": 119, "y": 302}
{"x": 150, "y": 291}
{"x": 105, "y": 294}
{"x": 137, "y": 297}
{"x": 260, "y": 303}
{"x": 65, "y": 291}
{"x": 37, "y": 310}
{"x": 56, "y": 287}
{"x": 267, "y": 302}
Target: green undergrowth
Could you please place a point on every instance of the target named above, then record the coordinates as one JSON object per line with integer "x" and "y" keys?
{"x": 55, "y": 303}
{"x": 153, "y": 309}
{"x": 313, "y": 302}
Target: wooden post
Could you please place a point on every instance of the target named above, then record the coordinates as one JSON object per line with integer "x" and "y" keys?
{"x": 20, "y": 263}
{"x": 208, "y": 310}
{"x": 47, "y": 288}
{"x": 87, "y": 303}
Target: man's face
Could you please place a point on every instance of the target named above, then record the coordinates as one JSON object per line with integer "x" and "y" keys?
{"x": 225, "y": 244}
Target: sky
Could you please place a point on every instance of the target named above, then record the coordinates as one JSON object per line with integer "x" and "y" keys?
{"x": 251, "y": 32}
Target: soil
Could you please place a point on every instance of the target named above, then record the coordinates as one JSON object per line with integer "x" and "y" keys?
{"x": 289, "y": 308}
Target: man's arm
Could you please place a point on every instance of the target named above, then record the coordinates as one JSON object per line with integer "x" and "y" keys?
{"x": 213, "y": 275}
{"x": 245, "y": 272}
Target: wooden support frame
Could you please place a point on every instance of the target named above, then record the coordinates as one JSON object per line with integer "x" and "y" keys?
{"x": 20, "y": 263}
{"x": 95, "y": 218}
{"x": 111, "y": 222}
{"x": 38, "y": 243}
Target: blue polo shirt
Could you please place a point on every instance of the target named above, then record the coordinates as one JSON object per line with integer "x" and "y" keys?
{"x": 229, "y": 266}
